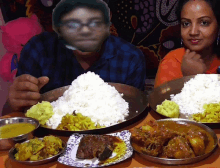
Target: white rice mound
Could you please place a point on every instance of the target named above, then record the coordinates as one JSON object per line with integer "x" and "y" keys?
{"x": 92, "y": 97}
{"x": 200, "y": 90}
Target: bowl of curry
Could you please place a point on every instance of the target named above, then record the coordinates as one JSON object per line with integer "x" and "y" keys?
{"x": 174, "y": 141}
{"x": 16, "y": 130}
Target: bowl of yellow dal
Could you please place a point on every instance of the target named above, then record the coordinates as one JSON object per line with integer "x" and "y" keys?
{"x": 16, "y": 130}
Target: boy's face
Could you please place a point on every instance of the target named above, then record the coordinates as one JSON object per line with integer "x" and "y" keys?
{"x": 85, "y": 29}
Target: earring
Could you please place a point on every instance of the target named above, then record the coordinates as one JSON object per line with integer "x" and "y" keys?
{"x": 181, "y": 43}
{"x": 218, "y": 39}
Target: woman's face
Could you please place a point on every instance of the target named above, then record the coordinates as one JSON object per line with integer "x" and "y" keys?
{"x": 199, "y": 27}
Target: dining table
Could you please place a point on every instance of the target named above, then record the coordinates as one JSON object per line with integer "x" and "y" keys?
{"x": 136, "y": 161}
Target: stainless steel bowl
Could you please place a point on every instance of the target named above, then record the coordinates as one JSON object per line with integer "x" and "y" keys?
{"x": 8, "y": 143}
{"x": 13, "y": 151}
{"x": 187, "y": 160}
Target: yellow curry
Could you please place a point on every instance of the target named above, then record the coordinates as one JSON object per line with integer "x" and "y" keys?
{"x": 13, "y": 130}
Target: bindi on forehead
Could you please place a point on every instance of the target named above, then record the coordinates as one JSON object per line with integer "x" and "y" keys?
{"x": 197, "y": 9}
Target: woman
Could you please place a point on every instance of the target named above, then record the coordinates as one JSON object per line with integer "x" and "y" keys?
{"x": 200, "y": 23}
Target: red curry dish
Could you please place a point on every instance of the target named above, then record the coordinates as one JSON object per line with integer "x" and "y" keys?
{"x": 168, "y": 139}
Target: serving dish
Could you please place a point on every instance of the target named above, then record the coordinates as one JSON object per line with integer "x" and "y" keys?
{"x": 13, "y": 151}
{"x": 164, "y": 91}
{"x": 137, "y": 104}
{"x": 69, "y": 157}
{"x": 7, "y": 143}
{"x": 186, "y": 160}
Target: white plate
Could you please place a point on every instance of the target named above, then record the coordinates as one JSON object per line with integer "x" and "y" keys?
{"x": 69, "y": 156}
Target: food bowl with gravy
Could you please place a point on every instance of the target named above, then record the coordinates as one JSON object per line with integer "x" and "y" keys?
{"x": 16, "y": 130}
{"x": 38, "y": 147}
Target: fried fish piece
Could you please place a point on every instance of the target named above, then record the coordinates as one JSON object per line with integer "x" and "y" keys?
{"x": 92, "y": 146}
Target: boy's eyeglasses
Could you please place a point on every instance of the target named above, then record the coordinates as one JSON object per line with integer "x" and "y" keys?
{"x": 77, "y": 26}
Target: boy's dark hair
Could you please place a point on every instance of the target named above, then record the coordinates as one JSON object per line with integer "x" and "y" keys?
{"x": 215, "y": 4}
{"x": 66, "y": 6}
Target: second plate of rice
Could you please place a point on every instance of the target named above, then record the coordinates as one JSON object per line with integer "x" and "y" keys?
{"x": 191, "y": 93}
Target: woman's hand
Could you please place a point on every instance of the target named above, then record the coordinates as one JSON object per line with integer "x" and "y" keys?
{"x": 192, "y": 64}
{"x": 25, "y": 91}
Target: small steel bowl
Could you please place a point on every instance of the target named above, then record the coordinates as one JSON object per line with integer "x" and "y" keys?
{"x": 13, "y": 151}
{"x": 8, "y": 143}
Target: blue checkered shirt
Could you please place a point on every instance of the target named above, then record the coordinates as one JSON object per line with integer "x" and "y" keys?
{"x": 46, "y": 55}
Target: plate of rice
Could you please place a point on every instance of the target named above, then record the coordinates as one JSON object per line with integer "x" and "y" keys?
{"x": 197, "y": 98}
{"x": 88, "y": 105}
